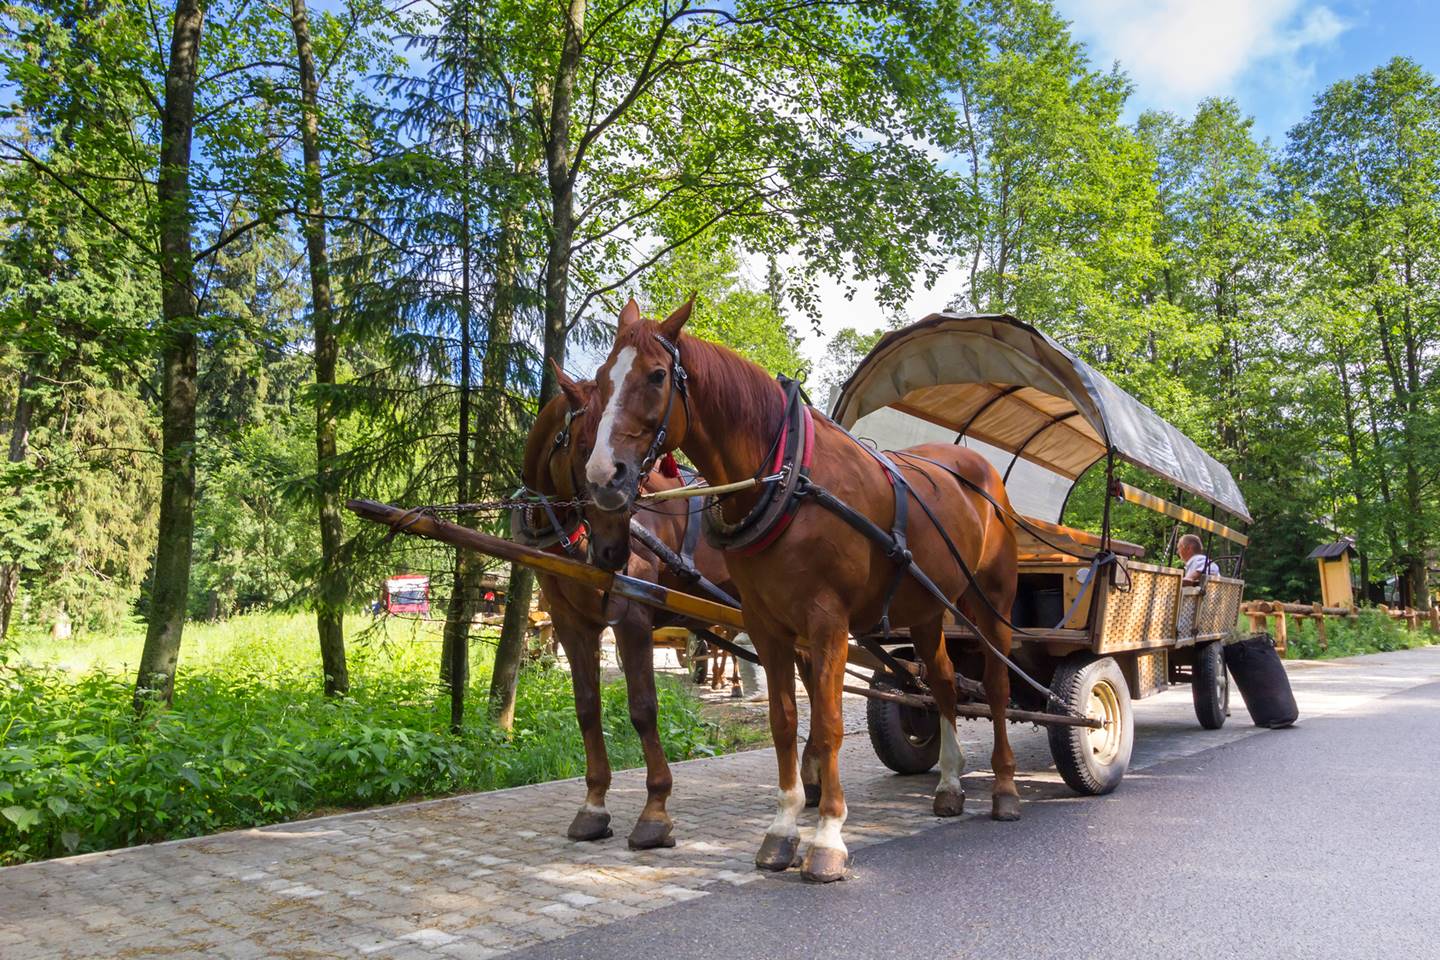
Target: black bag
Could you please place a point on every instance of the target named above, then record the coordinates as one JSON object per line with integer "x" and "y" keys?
{"x": 1262, "y": 680}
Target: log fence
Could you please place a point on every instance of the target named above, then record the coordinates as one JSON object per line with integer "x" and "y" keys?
{"x": 1261, "y": 612}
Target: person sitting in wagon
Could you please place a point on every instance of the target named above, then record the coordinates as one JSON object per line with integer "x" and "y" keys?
{"x": 1198, "y": 567}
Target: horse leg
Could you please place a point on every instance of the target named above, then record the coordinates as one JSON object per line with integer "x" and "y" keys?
{"x": 929, "y": 639}
{"x": 1005, "y": 800}
{"x": 582, "y": 649}
{"x": 654, "y": 826}
{"x": 809, "y": 760}
{"x": 828, "y": 633}
{"x": 781, "y": 847}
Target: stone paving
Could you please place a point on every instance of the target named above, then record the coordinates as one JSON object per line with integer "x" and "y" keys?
{"x": 479, "y": 875}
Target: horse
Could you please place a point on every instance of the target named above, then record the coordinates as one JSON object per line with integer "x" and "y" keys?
{"x": 558, "y": 443}
{"x": 811, "y": 573}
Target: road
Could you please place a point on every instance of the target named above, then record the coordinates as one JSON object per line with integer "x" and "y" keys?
{"x": 1318, "y": 841}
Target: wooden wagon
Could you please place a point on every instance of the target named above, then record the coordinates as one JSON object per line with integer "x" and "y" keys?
{"x": 1097, "y": 624}
{"x": 1101, "y": 625}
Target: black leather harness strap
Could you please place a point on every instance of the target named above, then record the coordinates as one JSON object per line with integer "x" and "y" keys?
{"x": 680, "y": 565}
{"x": 778, "y": 501}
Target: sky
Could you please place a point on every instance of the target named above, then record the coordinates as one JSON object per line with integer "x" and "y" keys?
{"x": 1272, "y": 56}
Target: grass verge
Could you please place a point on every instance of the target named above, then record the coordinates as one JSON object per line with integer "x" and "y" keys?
{"x": 251, "y": 740}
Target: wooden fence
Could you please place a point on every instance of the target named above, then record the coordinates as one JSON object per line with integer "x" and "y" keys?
{"x": 1261, "y": 612}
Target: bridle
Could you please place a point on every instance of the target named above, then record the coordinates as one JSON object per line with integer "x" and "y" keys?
{"x": 679, "y": 384}
{"x": 521, "y": 527}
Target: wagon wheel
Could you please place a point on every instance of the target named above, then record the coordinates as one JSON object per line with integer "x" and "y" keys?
{"x": 1210, "y": 685}
{"x": 906, "y": 739}
{"x": 1093, "y": 760}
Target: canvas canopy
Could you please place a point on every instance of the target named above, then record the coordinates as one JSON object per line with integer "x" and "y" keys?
{"x": 1007, "y": 384}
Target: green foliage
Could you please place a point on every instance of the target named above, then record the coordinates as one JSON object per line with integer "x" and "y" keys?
{"x": 1369, "y": 632}
{"x": 251, "y": 740}
{"x": 728, "y": 309}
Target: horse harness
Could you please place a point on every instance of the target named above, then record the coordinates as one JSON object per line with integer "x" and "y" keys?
{"x": 788, "y": 484}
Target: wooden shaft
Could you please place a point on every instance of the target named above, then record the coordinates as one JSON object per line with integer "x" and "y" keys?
{"x": 420, "y": 524}
{"x": 979, "y": 711}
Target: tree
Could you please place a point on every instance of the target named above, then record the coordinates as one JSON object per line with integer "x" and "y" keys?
{"x": 1367, "y": 161}
{"x": 331, "y": 595}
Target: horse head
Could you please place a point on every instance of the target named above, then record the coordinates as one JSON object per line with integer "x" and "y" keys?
{"x": 644, "y": 411}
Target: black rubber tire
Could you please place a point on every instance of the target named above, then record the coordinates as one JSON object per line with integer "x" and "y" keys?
{"x": 906, "y": 739}
{"x": 1089, "y": 766}
{"x": 1210, "y": 685}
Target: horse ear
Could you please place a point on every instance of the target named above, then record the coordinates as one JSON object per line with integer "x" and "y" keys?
{"x": 670, "y": 327}
{"x": 630, "y": 314}
{"x": 574, "y": 392}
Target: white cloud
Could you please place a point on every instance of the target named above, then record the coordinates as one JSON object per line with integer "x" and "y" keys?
{"x": 1179, "y": 51}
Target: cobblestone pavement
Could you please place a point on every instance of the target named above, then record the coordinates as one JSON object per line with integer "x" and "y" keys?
{"x": 479, "y": 875}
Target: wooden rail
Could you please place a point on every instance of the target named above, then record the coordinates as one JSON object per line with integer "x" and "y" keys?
{"x": 1151, "y": 502}
{"x": 1260, "y": 612}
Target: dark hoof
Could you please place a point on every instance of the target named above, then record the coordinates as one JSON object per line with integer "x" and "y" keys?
{"x": 825, "y": 865}
{"x": 1005, "y": 806}
{"x": 812, "y": 794}
{"x": 949, "y": 803}
{"x": 649, "y": 834}
{"x": 778, "y": 853}
{"x": 589, "y": 825}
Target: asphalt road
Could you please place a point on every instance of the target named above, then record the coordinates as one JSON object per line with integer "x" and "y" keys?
{"x": 1319, "y": 841}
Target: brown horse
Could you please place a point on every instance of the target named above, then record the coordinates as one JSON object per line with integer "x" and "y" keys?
{"x": 818, "y": 578}
{"x": 555, "y": 452}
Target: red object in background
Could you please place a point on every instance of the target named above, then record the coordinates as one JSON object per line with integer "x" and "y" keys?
{"x": 407, "y": 593}
{"x": 668, "y": 466}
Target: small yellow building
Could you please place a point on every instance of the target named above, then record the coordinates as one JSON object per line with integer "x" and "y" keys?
{"x": 1335, "y": 583}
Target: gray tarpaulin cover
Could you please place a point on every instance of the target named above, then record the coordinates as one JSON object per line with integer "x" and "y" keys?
{"x": 1009, "y": 385}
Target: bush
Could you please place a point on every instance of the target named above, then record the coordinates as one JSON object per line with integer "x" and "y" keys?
{"x": 251, "y": 740}
{"x": 1369, "y": 631}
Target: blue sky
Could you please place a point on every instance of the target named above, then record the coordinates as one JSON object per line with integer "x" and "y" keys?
{"x": 1272, "y": 56}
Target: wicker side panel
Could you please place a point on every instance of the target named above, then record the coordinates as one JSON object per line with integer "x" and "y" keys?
{"x": 1219, "y": 608}
{"x": 1143, "y": 614}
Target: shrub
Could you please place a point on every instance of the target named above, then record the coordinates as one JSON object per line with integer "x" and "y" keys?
{"x": 1369, "y": 631}
{"x": 251, "y": 740}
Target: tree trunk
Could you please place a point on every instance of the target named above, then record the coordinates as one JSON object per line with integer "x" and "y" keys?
{"x": 509, "y": 655}
{"x": 330, "y": 610}
{"x": 170, "y": 585}
{"x": 464, "y": 593}
{"x": 19, "y": 447}
{"x": 511, "y": 648}
{"x": 561, "y": 180}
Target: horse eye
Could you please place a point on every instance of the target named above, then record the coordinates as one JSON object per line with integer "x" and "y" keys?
{"x": 657, "y": 376}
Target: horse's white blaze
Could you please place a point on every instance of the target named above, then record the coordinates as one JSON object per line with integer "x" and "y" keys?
{"x": 602, "y": 460}
{"x": 827, "y": 832}
{"x": 952, "y": 760}
{"x": 789, "y": 803}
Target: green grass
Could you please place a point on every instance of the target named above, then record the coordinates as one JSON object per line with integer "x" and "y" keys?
{"x": 1369, "y": 632}
{"x": 250, "y": 739}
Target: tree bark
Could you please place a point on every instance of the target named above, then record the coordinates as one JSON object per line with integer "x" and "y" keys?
{"x": 171, "y": 570}
{"x": 509, "y": 656}
{"x": 330, "y": 610}
{"x": 19, "y": 447}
